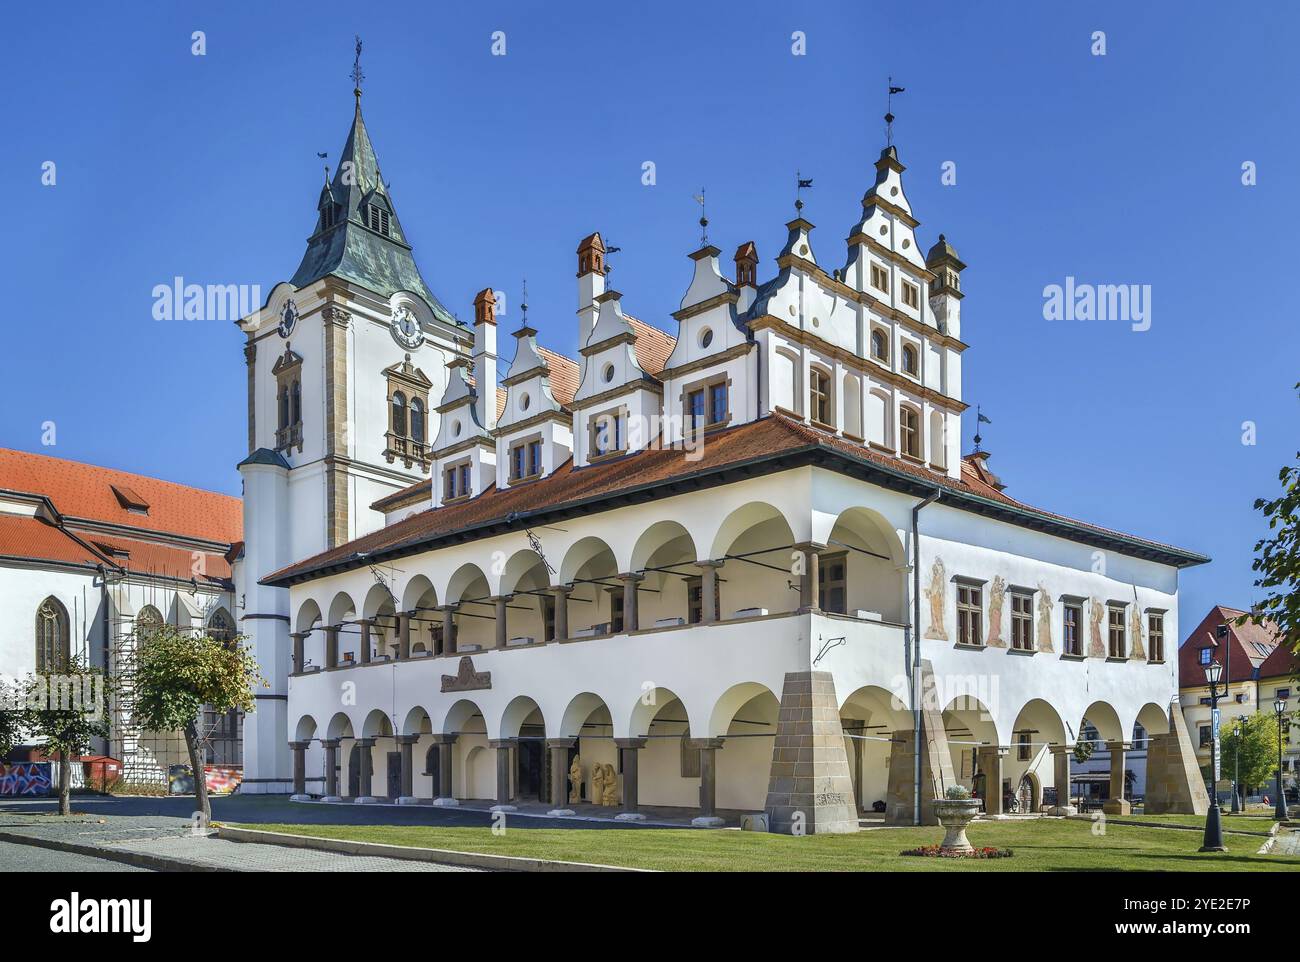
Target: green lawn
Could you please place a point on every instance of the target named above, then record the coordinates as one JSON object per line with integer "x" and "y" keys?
{"x": 1047, "y": 845}
{"x": 1256, "y": 823}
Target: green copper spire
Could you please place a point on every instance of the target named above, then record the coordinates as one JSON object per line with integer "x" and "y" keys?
{"x": 358, "y": 236}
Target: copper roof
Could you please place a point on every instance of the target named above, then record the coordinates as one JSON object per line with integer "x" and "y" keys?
{"x": 772, "y": 443}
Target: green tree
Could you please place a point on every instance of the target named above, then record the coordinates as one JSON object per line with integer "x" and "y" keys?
{"x": 177, "y": 673}
{"x": 67, "y": 708}
{"x": 1255, "y": 746}
{"x": 11, "y": 717}
{"x": 1277, "y": 558}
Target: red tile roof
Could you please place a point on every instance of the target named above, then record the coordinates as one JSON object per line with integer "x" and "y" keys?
{"x": 33, "y": 539}
{"x": 86, "y": 491}
{"x": 653, "y": 346}
{"x": 1251, "y": 646}
{"x": 564, "y": 376}
{"x": 767, "y": 440}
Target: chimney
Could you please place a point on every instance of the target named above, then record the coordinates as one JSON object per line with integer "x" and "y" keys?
{"x": 591, "y": 284}
{"x": 747, "y": 265}
{"x": 485, "y": 358}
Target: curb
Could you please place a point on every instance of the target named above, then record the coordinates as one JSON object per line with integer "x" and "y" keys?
{"x": 499, "y": 863}
{"x": 1121, "y": 820}
{"x": 157, "y": 863}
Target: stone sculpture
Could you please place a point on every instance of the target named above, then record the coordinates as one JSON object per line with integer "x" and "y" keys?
{"x": 610, "y": 794}
{"x": 575, "y": 780}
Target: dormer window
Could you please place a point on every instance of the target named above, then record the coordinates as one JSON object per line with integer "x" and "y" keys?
{"x": 526, "y": 459}
{"x": 880, "y": 278}
{"x": 705, "y": 404}
{"x": 327, "y": 216}
{"x": 608, "y": 434}
{"x": 377, "y": 219}
{"x": 456, "y": 481}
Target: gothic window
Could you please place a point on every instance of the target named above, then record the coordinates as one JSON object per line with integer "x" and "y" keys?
{"x": 909, "y": 360}
{"x": 399, "y": 413}
{"x": 221, "y": 625}
{"x": 417, "y": 421}
{"x": 147, "y": 624}
{"x": 53, "y": 644}
{"x": 880, "y": 345}
{"x": 909, "y": 432}
{"x": 819, "y": 396}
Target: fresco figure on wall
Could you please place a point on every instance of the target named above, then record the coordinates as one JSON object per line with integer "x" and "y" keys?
{"x": 997, "y": 593}
{"x": 1137, "y": 650}
{"x": 937, "y": 595}
{"x": 1045, "y": 606}
{"x": 1096, "y": 648}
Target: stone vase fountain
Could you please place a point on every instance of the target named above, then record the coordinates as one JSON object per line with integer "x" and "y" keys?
{"x": 954, "y": 815}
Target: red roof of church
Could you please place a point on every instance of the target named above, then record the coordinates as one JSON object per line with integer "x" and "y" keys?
{"x": 88, "y": 493}
{"x": 773, "y": 440}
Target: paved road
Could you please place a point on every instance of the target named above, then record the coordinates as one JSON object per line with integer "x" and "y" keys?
{"x": 28, "y": 858}
{"x": 163, "y": 827}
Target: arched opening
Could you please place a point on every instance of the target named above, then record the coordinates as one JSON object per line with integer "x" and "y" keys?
{"x": 341, "y": 732}
{"x": 473, "y": 768}
{"x": 745, "y": 717}
{"x": 308, "y": 622}
{"x": 878, "y": 742}
{"x": 530, "y": 614}
{"x": 420, "y": 603}
{"x": 53, "y": 636}
{"x": 1030, "y": 765}
{"x": 343, "y": 617}
{"x": 879, "y": 424}
{"x": 938, "y": 440}
{"x": 474, "y": 621}
{"x": 385, "y": 759}
{"x": 596, "y": 603}
{"x": 1095, "y": 765}
{"x": 670, "y": 592}
{"x": 424, "y": 777}
{"x": 756, "y": 543}
{"x": 669, "y": 764}
{"x": 853, "y": 406}
{"x": 380, "y": 609}
{"x": 862, "y": 568}
{"x": 530, "y": 771}
{"x": 975, "y": 747}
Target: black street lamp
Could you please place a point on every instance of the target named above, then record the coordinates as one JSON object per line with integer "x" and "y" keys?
{"x": 1213, "y": 841}
{"x": 1236, "y": 766}
{"x": 1279, "y": 812}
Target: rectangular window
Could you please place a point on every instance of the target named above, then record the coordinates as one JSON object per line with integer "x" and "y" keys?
{"x": 517, "y": 462}
{"x": 879, "y": 278}
{"x": 695, "y": 598}
{"x": 1022, "y": 621}
{"x": 1206, "y": 736}
{"x": 455, "y": 483}
{"x": 548, "y": 617}
{"x": 1206, "y": 654}
{"x": 616, "y": 609}
{"x": 1023, "y": 746}
{"x": 1155, "y": 636}
{"x": 608, "y": 434}
{"x": 534, "y": 458}
{"x": 449, "y": 484}
{"x": 970, "y": 615}
{"x": 1071, "y": 618}
{"x": 1283, "y": 693}
{"x": 1115, "y": 621}
{"x": 718, "y": 402}
{"x": 695, "y": 408}
{"x": 911, "y": 295}
{"x": 832, "y": 590}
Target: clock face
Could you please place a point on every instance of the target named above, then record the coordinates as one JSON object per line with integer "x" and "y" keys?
{"x": 288, "y": 318}
{"x": 406, "y": 329}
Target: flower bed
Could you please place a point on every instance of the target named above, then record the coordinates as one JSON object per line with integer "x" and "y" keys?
{"x": 936, "y": 851}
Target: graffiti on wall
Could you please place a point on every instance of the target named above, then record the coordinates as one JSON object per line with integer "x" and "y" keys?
{"x": 25, "y": 778}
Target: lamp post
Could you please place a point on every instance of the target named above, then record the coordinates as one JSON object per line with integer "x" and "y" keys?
{"x": 1213, "y": 840}
{"x": 1236, "y": 766}
{"x": 1279, "y": 812}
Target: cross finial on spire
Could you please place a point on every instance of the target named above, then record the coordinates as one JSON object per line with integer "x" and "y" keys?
{"x": 704, "y": 220}
{"x": 357, "y": 75}
{"x": 889, "y": 112}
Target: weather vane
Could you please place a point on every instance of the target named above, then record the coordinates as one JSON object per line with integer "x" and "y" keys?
{"x": 357, "y": 75}
{"x": 327, "y": 166}
{"x": 610, "y": 249}
{"x": 704, "y": 220}
{"x": 801, "y": 184}
{"x": 889, "y": 112}
{"x": 979, "y": 419}
{"x": 523, "y": 306}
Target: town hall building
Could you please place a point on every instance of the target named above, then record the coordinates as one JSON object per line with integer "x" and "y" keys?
{"x": 738, "y": 565}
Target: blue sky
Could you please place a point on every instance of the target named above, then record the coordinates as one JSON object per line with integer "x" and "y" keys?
{"x": 1116, "y": 169}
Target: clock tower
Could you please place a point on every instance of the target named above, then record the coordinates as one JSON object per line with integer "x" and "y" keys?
{"x": 342, "y": 360}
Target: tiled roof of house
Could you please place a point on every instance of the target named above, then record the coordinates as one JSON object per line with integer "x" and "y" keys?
{"x": 653, "y": 346}
{"x": 34, "y": 539}
{"x": 102, "y": 494}
{"x": 1251, "y": 647}
{"x": 564, "y": 376}
{"x": 774, "y": 442}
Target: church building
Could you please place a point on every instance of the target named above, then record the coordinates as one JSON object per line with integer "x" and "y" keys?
{"x": 729, "y": 562}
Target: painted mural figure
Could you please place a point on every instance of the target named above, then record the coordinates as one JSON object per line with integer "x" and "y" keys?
{"x": 1096, "y": 649}
{"x": 1044, "y": 640}
{"x": 1137, "y": 650}
{"x": 936, "y": 594}
{"x": 575, "y": 780}
{"x": 997, "y": 593}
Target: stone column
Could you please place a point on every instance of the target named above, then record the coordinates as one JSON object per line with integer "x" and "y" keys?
{"x": 406, "y": 744}
{"x": 299, "y": 637}
{"x": 503, "y": 747}
{"x": 448, "y": 630}
{"x": 809, "y": 583}
{"x": 856, "y": 729}
{"x": 559, "y": 749}
{"x": 442, "y": 791}
{"x": 561, "y": 595}
{"x": 366, "y": 624}
{"x": 708, "y": 817}
{"x": 631, "y": 622}
{"x": 709, "y": 590}
{"x": 500, "y": 602}
{"x": 1061, "y": 755}
{"x": 367, "y": 781}
{"x": 630, "y": 751}
{"x": 332, "y": 646}
{"x": 990, "y": 761}
{"x": 299, "y": 772}
{"x": 404, "y": 635}
{"x": 1117, "y": 804}
{"x": 331, "y": 746}
{"x": 808, "y": 787}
